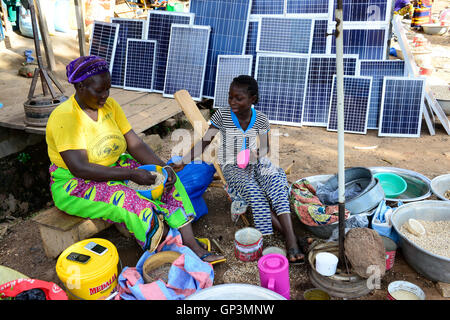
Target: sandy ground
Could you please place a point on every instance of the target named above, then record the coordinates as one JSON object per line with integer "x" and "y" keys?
{"x": 313, "y": 149}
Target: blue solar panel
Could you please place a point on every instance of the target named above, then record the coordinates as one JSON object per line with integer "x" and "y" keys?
{"x": 282, "y": 81}
{"x": 158, "y": 28}
{"x": 267, "y": 7}
{"x": 129, "y": 29}
{"x": 320, "y": 37}
{"x": 188, "y": 49}
{"x": 307, "y": 6}
{"x": 356, "y": 104}
{"x": 366, "y": 10}
{"x": 229, "y": 23}
{"x": 229, "y": 67}
{"x": 322, "y": 68}
{"x": 370, "y": 44}
{"x": 104, "y": 40}
{"x": 402, "y": 107}
{"x": 285, "y": 35}
{"x": 378, "y": 70}
{"x": 139, "y": 64}
{"x": 252, "y": 38}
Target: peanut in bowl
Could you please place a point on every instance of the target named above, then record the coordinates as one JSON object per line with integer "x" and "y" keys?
{"x": 154, "y": 191}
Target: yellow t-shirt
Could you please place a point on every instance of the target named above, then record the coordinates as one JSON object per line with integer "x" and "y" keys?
{"x": 70, "y": 128}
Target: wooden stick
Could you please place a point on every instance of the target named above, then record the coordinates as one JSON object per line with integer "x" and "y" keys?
{"x": 218, "y": 247}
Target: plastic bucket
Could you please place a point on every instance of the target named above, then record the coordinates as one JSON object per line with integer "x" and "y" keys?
{"x": 326, "y": 263}
{"x": 248, "y": 244}
{"x": 93, "y": 280}
{"x": 408, "y": 290}
{"x": 390, "y": 248}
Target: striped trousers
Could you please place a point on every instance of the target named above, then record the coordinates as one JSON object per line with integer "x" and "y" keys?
{"x": 264, "y": 187}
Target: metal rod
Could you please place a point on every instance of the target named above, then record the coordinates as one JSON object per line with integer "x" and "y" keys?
{"x": 340, "y": 128}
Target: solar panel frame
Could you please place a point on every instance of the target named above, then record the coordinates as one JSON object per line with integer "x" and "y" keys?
{"x": 177, "y": 68}
{"x": 319, "y": 89}
{"x": 378, "y": 69}
{"x": 224, "y": 76}
{"x": 352, "y": 110}
{"x": 228, "y": 20}
{"x": 405, "y": 109}
{"x": 288, "y": 112}
{"x": 264, "y": 7}
{"x": 369, "y": 46}
{"x": 137, "y": 65}
{"x": 271, "y": 28}
{"x": 381, "y": 10}
{"x": 117, "y": 74}
{"x": 111, "y": 41}
{"x": 307, "y": 7}
{"x": 252, "y": 38}
{"x": 161, "y": 33}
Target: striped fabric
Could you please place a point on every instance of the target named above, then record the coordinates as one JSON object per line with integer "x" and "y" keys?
{"x": 422, "y": 13}
{"x": 264, "y": 187}
{"x": 232, "y": 134}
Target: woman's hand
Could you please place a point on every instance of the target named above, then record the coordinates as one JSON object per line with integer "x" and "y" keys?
{"x": 171, "y": 179}
{"x": 142, "y": 177}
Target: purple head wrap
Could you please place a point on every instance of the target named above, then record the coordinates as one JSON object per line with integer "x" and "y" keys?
{"x": 85, "y": 67}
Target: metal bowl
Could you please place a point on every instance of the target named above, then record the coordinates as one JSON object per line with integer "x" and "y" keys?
{"x": 325, "y": 231}
{"x": 432, "y": 266}
{"x": 440, "y": 185}
{"x": 434, "y": 29}
{"x": 235, "y": 291}
{"x": 418, "y": 186}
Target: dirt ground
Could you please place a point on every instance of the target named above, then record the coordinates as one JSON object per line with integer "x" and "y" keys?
{"x": 313, "y": 149}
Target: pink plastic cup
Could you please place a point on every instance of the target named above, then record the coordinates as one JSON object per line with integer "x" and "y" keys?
{"x": 274, "y": 274}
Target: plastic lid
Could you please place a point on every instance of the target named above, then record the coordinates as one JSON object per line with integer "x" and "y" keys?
{"x": 273, "y": 262}
{"x": 97, "y": 264}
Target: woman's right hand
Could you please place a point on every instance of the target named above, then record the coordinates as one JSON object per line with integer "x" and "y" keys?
{"x": 142, "y": 177}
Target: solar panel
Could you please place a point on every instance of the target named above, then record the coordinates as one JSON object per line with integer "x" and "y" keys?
{"x": 307, "y": 6}
{"x": 188, "y": 49}
{"x": 378, "y": 70}
{"x": 322, "y": 68}
{"x": 252, "y": 37}
{"x": 103, "y": 41}
{"x": 320, "y": 37}
{"x": 356, "y": 104}
{"x": 370, "y": 44}
{"x": 366, "y": 10}
{"x": 229, "y": 67}
{"x": 139, "y": 64}
{"x": 229, "y": 23}
{"x": 285, "y": 35}
{"x": 401, "y": 107}
{"x": 129, "y": 29}
{"x": 158, "y": 28}
{"x": 282, "y": 81}
{"x": 267, "y": 7}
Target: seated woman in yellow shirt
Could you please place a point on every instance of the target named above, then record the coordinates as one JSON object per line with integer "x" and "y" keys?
{"x": 93, "y": 149}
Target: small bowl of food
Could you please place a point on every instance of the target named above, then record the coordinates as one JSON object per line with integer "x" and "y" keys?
{"x": 154, "y": 191}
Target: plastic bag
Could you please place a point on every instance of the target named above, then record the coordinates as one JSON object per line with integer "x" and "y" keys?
{"x": 19, "y": 287}
{"x": 381, "y": 221}
{"x": 196, "y": 177}
{"x": 354, "y": 221}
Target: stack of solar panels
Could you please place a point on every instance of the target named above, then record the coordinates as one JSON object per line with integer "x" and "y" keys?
{"x": 287, "y": 45}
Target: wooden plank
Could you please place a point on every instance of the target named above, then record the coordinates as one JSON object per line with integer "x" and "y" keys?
{"x": 153, "y": 115}
{"x": 196, "y": 119}
{"x": 57, "y": 219}
{"x": 80, "y": 25}
{"x": 45, "y": 37}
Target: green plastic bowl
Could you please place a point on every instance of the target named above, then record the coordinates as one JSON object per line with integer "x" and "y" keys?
{"x": 393, "y": 185}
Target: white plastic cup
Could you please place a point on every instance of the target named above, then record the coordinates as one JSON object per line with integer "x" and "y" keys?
{"x": 326, "y": 263}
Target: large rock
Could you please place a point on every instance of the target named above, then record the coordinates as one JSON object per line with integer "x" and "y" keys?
{"x": 364, "y": 248}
